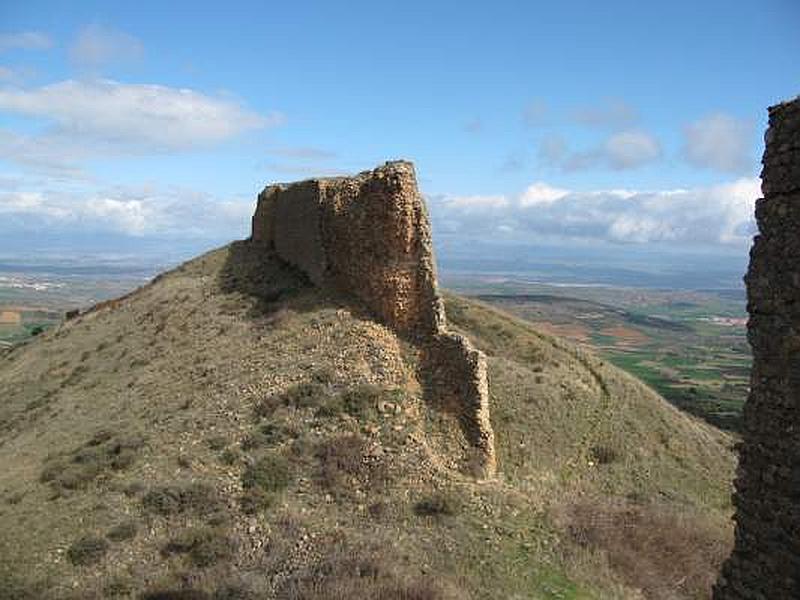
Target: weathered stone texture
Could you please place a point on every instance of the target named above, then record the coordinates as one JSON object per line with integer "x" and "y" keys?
{"x": 369, "y": 236}
{"x": 765, "y": 562}
{"x": 457, "y": 372}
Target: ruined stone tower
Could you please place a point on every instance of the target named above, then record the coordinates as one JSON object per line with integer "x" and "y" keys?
{"x": 765, "y": 563}
{"x": 369, "y": 236}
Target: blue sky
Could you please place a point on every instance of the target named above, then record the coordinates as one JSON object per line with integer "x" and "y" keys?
{"x": 602, "y": 124}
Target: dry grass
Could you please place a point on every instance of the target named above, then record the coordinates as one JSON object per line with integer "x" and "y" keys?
{"x": 205, "y": 546}
{"x": 665, "y": 552}
{"x": 102, "y": 454}
{"x": 342, "y": 448}
{"x": 346, "y": 573}
{"x": 345, "y": 465}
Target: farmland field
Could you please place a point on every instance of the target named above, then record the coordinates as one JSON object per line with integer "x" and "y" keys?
{"x": 31, "y": 301}
{"x": 690, "y": 346}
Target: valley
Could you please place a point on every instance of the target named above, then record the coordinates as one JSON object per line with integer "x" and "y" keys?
{"x": 690, "y": 346}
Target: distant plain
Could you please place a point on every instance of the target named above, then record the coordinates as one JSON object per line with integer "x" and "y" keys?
{"x": 688, "y": 345}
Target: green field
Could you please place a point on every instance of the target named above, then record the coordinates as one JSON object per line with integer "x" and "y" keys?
{"x": 691, "y": 347}
{"x": 32, "y": 322}
{"x": 31, "y": 303}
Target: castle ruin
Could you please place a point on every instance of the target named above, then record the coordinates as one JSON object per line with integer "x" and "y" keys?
{"x": 369, "y": 236}
{"x": 765, "y": 562}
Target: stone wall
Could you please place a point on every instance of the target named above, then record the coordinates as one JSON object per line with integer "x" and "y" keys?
{"x": 369, "y": 236}
{"x": 765, "y": 562}
{"x": 457, "y": 373}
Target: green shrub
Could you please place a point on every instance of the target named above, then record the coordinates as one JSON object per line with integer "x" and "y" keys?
{"x": 265, "y": 436}
{"x": 301, "y": 395}
{"x": 270, "y": 473}
{"x": 255, "y": 500}
{"x": 118, "y": 587}
{"x": 438, "y": 504}
{"x": 229, "y": 456}
{"x": 604, "y": 454}
{"x": 267, "y": 406}
{"x": 88, "y": 550}
{"x": 123, "y": 531}
{"x": 342, "y": 459}
{"x": 196, "y": 497}
{"x": 217, "y": 442}
{"x": 103, "y": 453}
{"x": 360, "y": 402}
{"x": 204, "y": 546}
{"x": 100, "y": 437}
{"x": 134, "y": 488}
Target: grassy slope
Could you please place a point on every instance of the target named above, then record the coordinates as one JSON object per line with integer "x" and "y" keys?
{"x": 256, "y": 436}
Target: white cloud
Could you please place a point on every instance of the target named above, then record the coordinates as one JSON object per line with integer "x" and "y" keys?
{"x": 143, "y": 115}
{"x": 52, "y": 155}
{"x": 96, "y": 46}
{"x": 720, "y": 141}
{"x": 87, "y": 119}
{"x": 631, "y": 149}
{"x": 737, "y": 199}
{"x": 717, "y": 215}
{"x": 25, "y": 40}
{"x": 541, "y": 193}
{"x": 622, "y": 150}
{"x": 476, "y": 203}
{"x": 176, "y": 213}
{"x": 133, "y": 217}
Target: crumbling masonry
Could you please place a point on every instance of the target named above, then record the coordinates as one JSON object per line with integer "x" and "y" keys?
{"x": 369, "y": 236}
{"x": 765, "y": 563}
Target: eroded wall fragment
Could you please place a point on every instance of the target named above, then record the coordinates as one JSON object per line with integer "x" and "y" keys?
{"x": 765, "y": 562}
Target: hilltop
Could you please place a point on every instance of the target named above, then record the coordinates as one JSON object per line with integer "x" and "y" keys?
{"x": 233, "y": 431}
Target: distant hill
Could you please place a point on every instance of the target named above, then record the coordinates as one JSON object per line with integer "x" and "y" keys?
{"x": 229, "y": 431}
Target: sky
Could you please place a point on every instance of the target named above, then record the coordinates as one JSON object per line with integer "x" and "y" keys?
{"x": 617, "y": 128}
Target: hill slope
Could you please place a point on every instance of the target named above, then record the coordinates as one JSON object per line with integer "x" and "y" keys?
{"x": 229, "y": 431}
